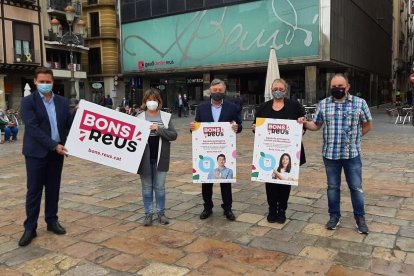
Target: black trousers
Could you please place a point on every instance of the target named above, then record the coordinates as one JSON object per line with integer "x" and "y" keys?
{"x": 207, "y": 191}
{"x": 41, "y": 172}
{"x": 277, "y": 196}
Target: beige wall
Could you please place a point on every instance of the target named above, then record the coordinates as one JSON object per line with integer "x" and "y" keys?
{"x": 8, "y": 27}
{"x": 21, "y": 14}
{"x": 2, "y": 57}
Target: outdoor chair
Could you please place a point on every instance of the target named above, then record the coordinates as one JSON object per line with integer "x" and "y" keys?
{"x": 400, "y": 115}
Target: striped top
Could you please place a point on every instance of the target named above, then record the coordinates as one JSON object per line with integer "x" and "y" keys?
{"x": 342, "y": 131}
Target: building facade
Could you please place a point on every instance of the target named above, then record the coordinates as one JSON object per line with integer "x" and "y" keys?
{"x": 180, "y": 46}
{"x": 102, "y": 60}
{"x": 20, "y": 49}
{"x": 57, "y": 55}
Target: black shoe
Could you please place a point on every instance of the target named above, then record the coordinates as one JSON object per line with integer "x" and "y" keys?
{"x": 272, "y": 217}
{"x": 206, "y": 213}
{"x": 27, "y": 237}
{"x": 229, "y": 214}
{"x": 281, "y": 216}
{"x": 361, "y": 225}
{"x": 56, "y": 228}
{"x": 333, "y": 222}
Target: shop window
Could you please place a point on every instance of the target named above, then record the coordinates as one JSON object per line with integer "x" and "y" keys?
{"x": 211, "y": 3}
{"x": 142, "y": 9}
{"x": 95, "y": 66}
{"x": 128, "y": 10}
{"x": 176, "y": 6}
{"x": 23, "y": 51}
{"x": 159, "y": 7}
{"x": 194, "y": 4}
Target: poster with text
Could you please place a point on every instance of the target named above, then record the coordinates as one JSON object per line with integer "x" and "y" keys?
{"x": 214, "y": 153}
{"x": 107, "y": 137}
{"x": 276, "y": 154}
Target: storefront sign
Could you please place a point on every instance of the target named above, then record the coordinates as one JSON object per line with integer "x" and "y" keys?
{"x": 214, "y": 153}
{"x": 229, "y": 35}
{"x": 276, "y": 153}
{"x": 194, "y": 80}
{"x": 107, "y": 137}
{"x": 96, "y": 85}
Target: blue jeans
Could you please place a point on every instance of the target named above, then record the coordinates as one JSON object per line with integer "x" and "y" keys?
{"x": 8, "y": 132}
{"x": 353, "y": 174}
{"x": 153, "y": 183}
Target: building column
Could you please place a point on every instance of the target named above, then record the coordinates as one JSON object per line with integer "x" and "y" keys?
{"x": 310, "y": 84}
{"x": 329, "y": 76}
{"x": 2, "y": 93}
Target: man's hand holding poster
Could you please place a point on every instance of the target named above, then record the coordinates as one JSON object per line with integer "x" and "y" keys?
{"x": 107, "y": 137}
{"x": 214, "y": 153}
{"x": 276, "y": 154}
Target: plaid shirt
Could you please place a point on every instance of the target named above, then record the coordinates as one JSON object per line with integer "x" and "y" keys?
{"x": 342, "y": 131}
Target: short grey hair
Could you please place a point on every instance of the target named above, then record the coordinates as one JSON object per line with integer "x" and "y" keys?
{"x": 218, "y": 81}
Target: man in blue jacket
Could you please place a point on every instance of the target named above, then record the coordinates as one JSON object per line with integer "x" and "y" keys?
{"x": 218, "y": 110}
{"x": 47, "y": 121}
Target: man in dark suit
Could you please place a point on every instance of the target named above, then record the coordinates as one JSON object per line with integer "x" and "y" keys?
{"x": 47, "y": 121}
{"x": 218, "y": 110}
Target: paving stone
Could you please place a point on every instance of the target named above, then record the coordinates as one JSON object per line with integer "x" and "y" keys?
{"x": 192, "y": 260}
{"x": 304, "y": 239}
{"x": 50, "y": 264}
{"x": 280, "y": 246}
{"x": 301, "y": 216}
{"x": 97, "y": 236}
{"x": 164, "y": 254}
{"x": 212, "y": 247}
{"x": 318, "y": 253}
{"x": 265, "y": 223}
{"x": 381, "y": 211}
{"x": 353, "y": 260}
{"x": 346, "y": 271}
{"x": 125, "y": 262}
{"x": 127, "y": 244}
{"x": 249, "y": 218}
{"x": 409, "y": 258}
{"x": 87, "y": 269}
{"x": 407, "y": 232}
{"x": 405, "y": 244}
{"x": 294, "y": 226}
{"x": 80, "y": 249}
{"x": 101, "y": 255}
{"x": 279, "y": 235}
{"x": 21, "y": 255}
{"x": 383, "y": 228}
{"x": 5, "y": 271}
{"x": 317, "y": 230}
{"x": 387, "y": 254}
{"x": 302, "y": 266}
{"x": 301, "y": 200}
{"x": 379, "y": 239}
{"x": 390, "y": 268}
{"x": 348, "y": 235}
{"x": 8, "y": 246}
{"x": 183, "y": 226}
{"x": 260, "y": 258}
{"x": 155, "y": 269}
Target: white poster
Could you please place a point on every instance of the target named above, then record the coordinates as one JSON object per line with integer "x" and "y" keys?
{"x": 107, "y": 137}
{"x": 276, "y": 154}
{"x": 214, "y": 153}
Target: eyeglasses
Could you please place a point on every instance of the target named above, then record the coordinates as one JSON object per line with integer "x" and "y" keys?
{"x": 278, "y": 89}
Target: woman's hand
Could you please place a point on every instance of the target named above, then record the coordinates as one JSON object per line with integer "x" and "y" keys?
{"x": 253, "y": 127}
{"x": 234, "y": 126}
{"x": 192, "y": 126}
{"x": 301, "y": 120}
{"x": 154, "y": 127}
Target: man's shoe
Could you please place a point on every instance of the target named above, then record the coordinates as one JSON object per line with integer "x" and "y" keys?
{"x": 229, "y": 214}
{"x": 206, "y": 213}
{"x": 56, "y": 228}
{"x": 333, "y": 222}
{"x": 27, "y": 237}
{"x": 361, "y": 225}
{"x": 148, "y": 220}
{"x": 281, "y": 216}
{"x": 162, "y": 219}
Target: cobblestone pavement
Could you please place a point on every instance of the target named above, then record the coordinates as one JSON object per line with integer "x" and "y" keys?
{"x": 102, "y": 210}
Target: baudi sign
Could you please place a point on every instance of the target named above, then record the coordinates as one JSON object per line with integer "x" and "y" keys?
{"x": 107, "y": 137}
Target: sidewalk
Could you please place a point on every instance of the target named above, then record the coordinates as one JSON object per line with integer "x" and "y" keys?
{"x": 102, "y": 210}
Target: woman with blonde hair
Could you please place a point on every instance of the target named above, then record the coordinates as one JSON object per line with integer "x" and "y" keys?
{"x": 156, "y": 158}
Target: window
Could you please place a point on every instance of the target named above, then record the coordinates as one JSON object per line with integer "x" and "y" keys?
{"x": 94, "y": 24}
{"x": 176, "y": 6}
{"x": 23, "y": 51}
{"x": 92, "y": 2}
{"x": 194, "y": 4}
{"x": 94, "y": 55}
{"x": 142, "y": 9}
{"x": 158, "y": 7}
{"x": 212, "y": 3}
{"x": 128, "y": 10}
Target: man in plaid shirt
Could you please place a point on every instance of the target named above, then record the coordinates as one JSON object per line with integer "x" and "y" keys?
{"x": 345, "y": 119}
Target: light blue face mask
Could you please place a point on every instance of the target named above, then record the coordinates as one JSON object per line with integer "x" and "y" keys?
{"x": 44, "y": 87}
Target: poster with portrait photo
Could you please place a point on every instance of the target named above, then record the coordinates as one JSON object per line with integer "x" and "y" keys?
{"x": 276, "y": 154}
{"x": 214, "y": 153}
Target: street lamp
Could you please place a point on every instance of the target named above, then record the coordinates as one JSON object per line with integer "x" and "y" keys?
{"x": 70, "y": 40}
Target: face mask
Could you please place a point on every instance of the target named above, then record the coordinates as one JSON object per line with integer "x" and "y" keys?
{"x": 217, "y": 96}
{"x": 277, "y": 94}
{"x": 338, "y": 92}
{"x": 44, "y": 87}
{"x": 152, "y": 105}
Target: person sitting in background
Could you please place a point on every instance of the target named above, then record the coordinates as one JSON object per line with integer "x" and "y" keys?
{"x": 9, "y": 128}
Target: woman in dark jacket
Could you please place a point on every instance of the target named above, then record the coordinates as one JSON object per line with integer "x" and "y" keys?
{"x": 156, "y": 158}
{"x": 280, "y": 108}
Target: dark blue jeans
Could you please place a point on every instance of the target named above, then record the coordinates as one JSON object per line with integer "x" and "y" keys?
{"x": 353, "y": 174}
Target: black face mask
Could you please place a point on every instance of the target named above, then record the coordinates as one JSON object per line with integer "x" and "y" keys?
{"x": 217, "y": 96}
{"x": 338, "y": 92}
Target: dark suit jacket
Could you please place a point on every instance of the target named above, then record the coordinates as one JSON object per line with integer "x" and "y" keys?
{"x": 37, "y": 141}
{"x": 229, "y": 113}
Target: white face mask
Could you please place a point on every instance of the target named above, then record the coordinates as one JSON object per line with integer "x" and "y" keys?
{"x": 152, "y": 105}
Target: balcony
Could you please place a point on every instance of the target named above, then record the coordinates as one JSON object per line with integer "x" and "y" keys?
{"x": 57, "y": 7}
{"x": 94, "y": 3}
{"x": 101, "y": 32}
{"x": 57, "y": 65}
{"x": 28, "y": 58}
{"x": 57, "y": 38}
